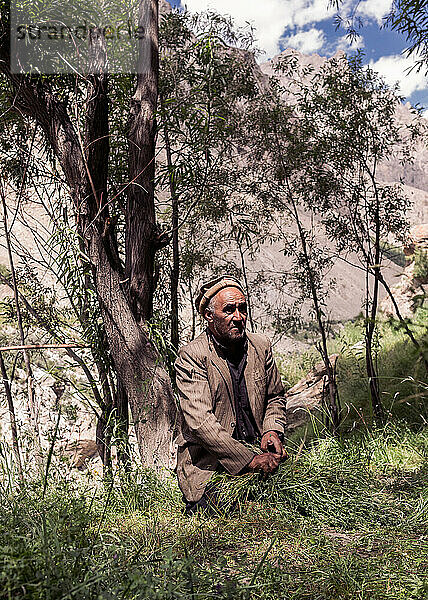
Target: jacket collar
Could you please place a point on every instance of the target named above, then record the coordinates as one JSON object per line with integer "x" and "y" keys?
{"x": 222, "y": 367}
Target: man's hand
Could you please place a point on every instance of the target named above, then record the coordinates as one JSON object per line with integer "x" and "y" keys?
{"x": 271, "y": 443}
{"x": 267, "y": 462}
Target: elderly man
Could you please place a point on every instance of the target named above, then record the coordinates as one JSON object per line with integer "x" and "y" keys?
{"x": 230, "y": 392}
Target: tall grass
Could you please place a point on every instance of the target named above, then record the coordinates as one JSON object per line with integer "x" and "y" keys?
{"x": 342, "y": 518}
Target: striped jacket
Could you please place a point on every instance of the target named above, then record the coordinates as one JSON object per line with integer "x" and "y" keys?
{"x": 207, "y": 409}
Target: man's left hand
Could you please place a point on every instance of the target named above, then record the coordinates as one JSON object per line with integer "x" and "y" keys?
{"x": 271, "y": 443}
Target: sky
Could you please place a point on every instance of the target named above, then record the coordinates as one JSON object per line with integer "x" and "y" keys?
{"x": 308, "y": 26}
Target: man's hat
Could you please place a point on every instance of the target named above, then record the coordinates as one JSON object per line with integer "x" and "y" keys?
{"x": 210, "y": 289}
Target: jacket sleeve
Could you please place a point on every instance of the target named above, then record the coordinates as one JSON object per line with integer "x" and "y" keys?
{"x": 197, "y": 410}
{"x": 275, "y": 415}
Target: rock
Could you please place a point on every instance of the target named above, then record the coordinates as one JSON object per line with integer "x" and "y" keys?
{"x": 81, "y": 452}
{"x": 418, "y": 238}
{"x": 307, "y": 395}
{"x": 407, "y": 294}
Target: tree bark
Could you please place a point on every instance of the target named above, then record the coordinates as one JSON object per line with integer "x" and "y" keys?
{"x": 122, "y": 425}
{"x": 141, "y": 232}
{"x": 138, "y": 365}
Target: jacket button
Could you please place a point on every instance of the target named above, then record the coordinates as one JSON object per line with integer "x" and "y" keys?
{"x": 232, "y": 424}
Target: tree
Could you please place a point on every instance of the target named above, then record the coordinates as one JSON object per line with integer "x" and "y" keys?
{"x": 73, "y": 115}
{"x": 354, "y": 122}
{"x": 207, "y": 75}
{"x": 286, "y": 178}
{"x": 319, "y": 139}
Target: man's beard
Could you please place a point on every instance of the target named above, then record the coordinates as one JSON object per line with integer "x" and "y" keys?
{"x": 228, "y": 338}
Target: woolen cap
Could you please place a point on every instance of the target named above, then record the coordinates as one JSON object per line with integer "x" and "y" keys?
{"x": 210, "y": 289}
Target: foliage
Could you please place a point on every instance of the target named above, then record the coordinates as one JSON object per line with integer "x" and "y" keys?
{"x": 343, "y": 518}
{"x": 410, "y": 18}
{"x": 207, "y": 74}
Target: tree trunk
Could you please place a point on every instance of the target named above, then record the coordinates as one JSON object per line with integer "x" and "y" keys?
{"x": 333, "y": 405}
{"x": 175, "y": 269}
{"x": 371, "y": 316}
{"x": 138, "y": 365}
{"x": 141, "y": 232}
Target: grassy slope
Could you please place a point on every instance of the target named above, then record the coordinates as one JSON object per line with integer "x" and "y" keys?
{"x": 343, "y": 518}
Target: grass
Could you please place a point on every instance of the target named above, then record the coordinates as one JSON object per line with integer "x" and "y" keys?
{"x": 401, "y": 372}
{"x": 344, "y": 518}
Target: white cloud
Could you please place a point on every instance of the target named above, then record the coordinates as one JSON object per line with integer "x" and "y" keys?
{"x": 311, "y": 11}
{"x": 270, "y": 17}
{"x": 394, "y": 69}
{"x": 374, "y": 9}
{"x": 347, "y": 46}
{"x": 305, "y": 41}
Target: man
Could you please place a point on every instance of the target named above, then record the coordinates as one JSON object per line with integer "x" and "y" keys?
{"x": 230, "y": 392}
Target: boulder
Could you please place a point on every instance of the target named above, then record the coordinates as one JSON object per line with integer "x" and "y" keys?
{"x": 408, "y": 294}
{"x": 307, "y": 395}
{"x": 80, "y": 453}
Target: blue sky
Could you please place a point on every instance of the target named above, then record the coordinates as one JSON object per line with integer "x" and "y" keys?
{"x": 308, "y": 26}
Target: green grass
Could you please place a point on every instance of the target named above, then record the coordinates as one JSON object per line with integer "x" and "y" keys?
{"x": 402, "y": 374}
{"x": 342, "y": 518}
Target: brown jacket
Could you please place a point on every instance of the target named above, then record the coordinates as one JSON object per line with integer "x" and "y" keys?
{"x": 207, "y": 409}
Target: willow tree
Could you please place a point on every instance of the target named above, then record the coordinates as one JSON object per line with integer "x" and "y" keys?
{"x": 115, "y": 220}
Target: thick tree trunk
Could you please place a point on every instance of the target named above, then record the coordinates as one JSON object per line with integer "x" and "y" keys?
{"x": 138, "y": 365}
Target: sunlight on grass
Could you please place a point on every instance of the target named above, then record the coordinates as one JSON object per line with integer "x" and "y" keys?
{"x": 344, "y": 518}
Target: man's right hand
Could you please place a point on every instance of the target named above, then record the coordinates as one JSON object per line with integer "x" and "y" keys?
{"x": 266, "y": 462}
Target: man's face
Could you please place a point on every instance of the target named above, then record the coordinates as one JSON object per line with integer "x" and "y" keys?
{"x": 228, "y": 319}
